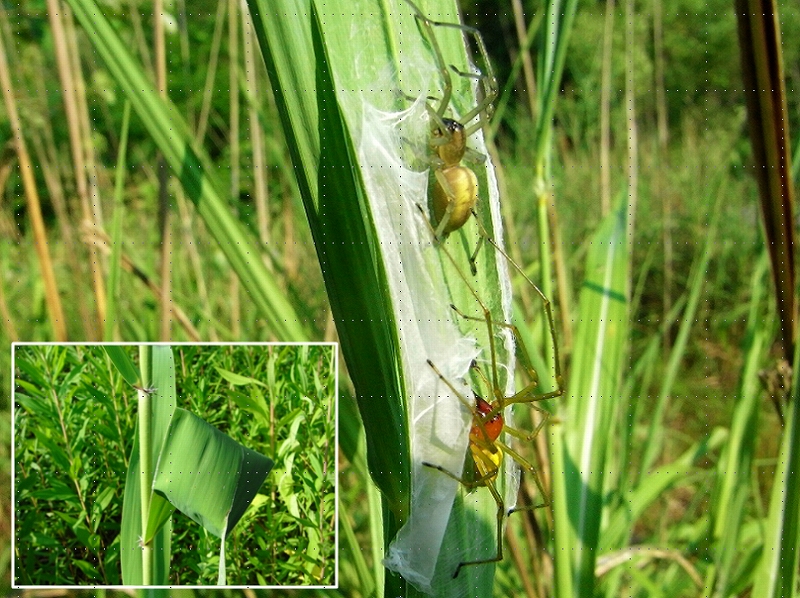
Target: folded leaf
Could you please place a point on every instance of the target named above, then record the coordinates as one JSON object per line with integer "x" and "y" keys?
{"x": 207, "y": 475}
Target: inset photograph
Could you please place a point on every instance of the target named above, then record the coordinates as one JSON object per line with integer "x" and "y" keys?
{"x": 174, "y": 465}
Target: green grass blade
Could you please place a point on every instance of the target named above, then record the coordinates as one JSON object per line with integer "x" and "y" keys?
{"x": 777, "y": 572}
{"x": 238, "y": 379}
{"x": 562, "y": 529}
{"x": 601, "y": 343}
{"x": 552, "y": 53}
{"x": 552, "y": 57}
{"x": 734, "y": 488}
{"x": 115, "y": 262}
{"x": 696, "y": 286}
{"x": 138, "y": 540}
{"x": 659, "y": 481}
{"x": 194, "y": 170}
{"x": 124, "y": 364}
{"x": 335, "y": 206}
{"x": 131, "y": 530}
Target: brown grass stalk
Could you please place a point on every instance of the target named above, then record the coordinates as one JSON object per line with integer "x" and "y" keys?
{"x": 54, "y": 309}
{"x": 93, "y": 236}
{"x": 71, "y": 108}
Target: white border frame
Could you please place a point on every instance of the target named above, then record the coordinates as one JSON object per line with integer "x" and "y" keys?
{"x": 335, "y": 346}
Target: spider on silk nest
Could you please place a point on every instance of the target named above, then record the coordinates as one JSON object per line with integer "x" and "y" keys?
{"x": 454, "y": 184}
{"x": 487, "y": 445}
{"x": 452, "y": 199}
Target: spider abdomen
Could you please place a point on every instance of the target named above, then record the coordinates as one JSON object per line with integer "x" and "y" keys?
{"x": 456, "y": 191}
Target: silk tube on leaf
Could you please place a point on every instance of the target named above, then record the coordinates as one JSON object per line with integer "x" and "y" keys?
{"x": 392, "y": 152}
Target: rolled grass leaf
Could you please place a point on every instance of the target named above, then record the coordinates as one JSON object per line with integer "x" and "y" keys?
{"x": 421, "y": 281}
{"x": 340, "y": 222}
{"x": 343, "y": 130}
{"x": 208, "y": 476}
{"x": 204, "y": 473}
